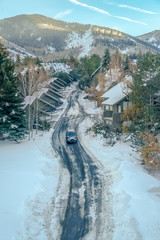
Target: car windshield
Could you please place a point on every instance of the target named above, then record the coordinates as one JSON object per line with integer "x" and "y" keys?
{"x": 71, "y": 134}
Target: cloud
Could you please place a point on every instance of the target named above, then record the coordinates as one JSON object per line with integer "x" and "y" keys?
{"x": 105, "y": 12}
{"x": 132, "y": 8}
{"x": 62, "y": 14}
{"x": 130, "y": 20}
{"x": 91, "y": 7}
{"x": 136, "y": 9}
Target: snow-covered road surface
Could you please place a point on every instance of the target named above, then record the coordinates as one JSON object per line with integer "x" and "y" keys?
{"x": 85, "y": 186}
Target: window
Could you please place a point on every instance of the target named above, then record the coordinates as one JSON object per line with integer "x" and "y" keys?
{"x": 108, "y": 107}
{"x": 108, "y": 122}
{"x": 119, "y": 108}
{"x": 126, "y": 104}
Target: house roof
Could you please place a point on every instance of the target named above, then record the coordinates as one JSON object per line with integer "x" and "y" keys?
{"x": 114, "y": 95}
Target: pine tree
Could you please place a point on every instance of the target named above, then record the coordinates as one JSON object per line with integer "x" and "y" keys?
{"x": 145, "y": 98}
{"x": 106, "y": 59}
{"x": 18, "y": 60}
{"x": 12, "y": 116}
{"x": 127, "y": 64}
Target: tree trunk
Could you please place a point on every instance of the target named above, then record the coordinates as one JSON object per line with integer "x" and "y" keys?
{"x": 37, "y": 115}
{"x": 29, "y": 121}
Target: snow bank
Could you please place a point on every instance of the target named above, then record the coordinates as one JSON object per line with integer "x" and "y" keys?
{"x": 132, "y": 197}
{"x": 28, "y": 178}
{"x": 90, "y": 107}
{"x": 32, "y": 183}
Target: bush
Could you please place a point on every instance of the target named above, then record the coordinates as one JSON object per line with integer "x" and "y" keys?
{"x": 64, "y": 76}
{"x": 125, "y": 128}
{"x": 150, "y": 150}
{"x": 84, "y": 82}
{"x": 46, "y": 125}
{"x": 98, "y": 129}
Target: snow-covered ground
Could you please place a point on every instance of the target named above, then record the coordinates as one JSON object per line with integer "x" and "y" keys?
{"x": 30, "y": 177}
{"x": 32, "y": 181}
{"x": 131, "y": 203}
{"x": 29, "y": 174}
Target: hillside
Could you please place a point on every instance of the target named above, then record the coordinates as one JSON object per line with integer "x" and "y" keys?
{"x": 52, "y": 39}
{"x": 15, "y": 50}
{"x": 152, "y": 38}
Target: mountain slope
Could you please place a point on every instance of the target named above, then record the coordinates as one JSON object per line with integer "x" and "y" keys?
{"x": 15, "y": 50}
{"x": 152, "y": 38}
{"x": 50, "y": 38}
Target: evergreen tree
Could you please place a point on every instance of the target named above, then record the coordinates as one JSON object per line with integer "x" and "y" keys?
{"x": 84, "y": 82}
{"x": 145, "y": 90}
{"x": 37, "y": 61}
{"x": 88, "y": 66}
{"x": 75, "y": 74}
{"x": 18, "y": 60}
{"x": 127, "y": 64}
{"x": 12, "y": 116}
{"x": 64, "y": 76}
{"x": 106, "y": 59}
{"x": 145, "y": 110}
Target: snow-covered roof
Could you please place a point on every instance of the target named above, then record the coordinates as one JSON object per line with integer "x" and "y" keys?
{"x": 37, "y": 94}
{"x": 114, "y": 95}
{"x": 58, "y": 67}
{"x": 30, "y": 99}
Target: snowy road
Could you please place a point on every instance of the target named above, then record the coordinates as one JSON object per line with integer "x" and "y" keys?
{"x": 84, "y": 193}
{"x": 65, "y": 194}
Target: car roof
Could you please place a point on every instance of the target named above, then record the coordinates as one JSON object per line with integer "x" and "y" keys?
{"x": 70, "y": 130}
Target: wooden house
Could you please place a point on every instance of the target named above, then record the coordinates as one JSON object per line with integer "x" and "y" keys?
{"x": 114, "y": 104}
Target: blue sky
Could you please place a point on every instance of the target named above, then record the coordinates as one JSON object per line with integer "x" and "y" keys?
{"x": 133, "y": 17}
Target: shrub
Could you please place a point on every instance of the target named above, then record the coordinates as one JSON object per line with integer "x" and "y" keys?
{"x": 150, "y": 150}
{"x": 46, "y": 125}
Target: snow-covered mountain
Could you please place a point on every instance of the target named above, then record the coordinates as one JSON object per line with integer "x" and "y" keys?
{"x": 52, "y": 39}
{"x": 152, "y": 38}
{"x": 15, "y": 50}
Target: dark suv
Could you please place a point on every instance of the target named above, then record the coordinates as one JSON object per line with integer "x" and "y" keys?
{"x": 71, "y": 137}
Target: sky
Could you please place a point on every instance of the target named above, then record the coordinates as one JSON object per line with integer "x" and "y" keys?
{"x": 133, "y": 17}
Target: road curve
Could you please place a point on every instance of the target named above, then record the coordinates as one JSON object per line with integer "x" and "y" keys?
{"x": 85, "y": 185}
